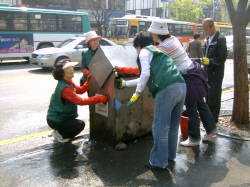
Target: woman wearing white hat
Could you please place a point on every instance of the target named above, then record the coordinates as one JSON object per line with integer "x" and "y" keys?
{"x": 93, "y": 41}
{"x": 196, "y": 81}
{"x": 62, "y": 112}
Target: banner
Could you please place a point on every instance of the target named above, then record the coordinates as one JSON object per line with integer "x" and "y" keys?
{"x": 16, "y": 43}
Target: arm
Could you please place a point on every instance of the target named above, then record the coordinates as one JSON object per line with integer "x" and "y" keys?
{"x": 71, "y": 96}
{"x": 128, "y": 70}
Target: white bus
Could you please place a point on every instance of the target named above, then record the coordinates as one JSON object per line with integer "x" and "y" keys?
{"x": 23, "y": 30}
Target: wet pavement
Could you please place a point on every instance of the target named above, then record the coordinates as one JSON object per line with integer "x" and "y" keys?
{"x": 38, "y": 161}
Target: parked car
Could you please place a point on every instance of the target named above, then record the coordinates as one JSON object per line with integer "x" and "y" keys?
{"x": 230, "y": 45}
{"x": 71, "y": 48}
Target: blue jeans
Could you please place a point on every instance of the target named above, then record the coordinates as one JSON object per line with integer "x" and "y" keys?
{"x": 193, "y": 121}
{"x": 167, "y": 113}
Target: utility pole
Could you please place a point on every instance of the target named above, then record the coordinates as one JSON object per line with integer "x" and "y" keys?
{"x": 153, "y": 7}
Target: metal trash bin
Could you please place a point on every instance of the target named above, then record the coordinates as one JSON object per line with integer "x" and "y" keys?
{"x": 115, "y": 122}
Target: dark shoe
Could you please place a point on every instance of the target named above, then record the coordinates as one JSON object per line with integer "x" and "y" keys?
{"x": 150, "y": 166}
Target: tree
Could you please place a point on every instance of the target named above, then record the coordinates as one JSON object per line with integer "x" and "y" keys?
{"x": 186, "y": 10}
{"x": 101, "y": 10}
{"x": 240, "y": 17}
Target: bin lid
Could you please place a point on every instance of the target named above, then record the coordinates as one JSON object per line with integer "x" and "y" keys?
{"x": 107, "y": 57}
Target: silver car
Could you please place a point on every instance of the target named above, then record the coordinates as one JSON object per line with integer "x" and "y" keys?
{"x": 71, "y": 48}
{"x": 230, "y": 45}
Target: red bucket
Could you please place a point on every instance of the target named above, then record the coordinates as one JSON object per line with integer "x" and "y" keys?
{"x": 184, "y": 125}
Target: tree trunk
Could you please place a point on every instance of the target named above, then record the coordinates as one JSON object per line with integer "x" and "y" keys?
{"x": 240, "y": 17}
{"x": 240, "y": 114}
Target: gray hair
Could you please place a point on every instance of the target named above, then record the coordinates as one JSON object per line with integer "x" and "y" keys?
{"x": 210, "y": 21}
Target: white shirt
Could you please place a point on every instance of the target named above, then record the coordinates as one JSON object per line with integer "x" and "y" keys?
{"x": 145, "y": 57}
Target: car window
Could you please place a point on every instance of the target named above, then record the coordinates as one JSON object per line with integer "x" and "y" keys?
{"x": 104, "y": 43}
{"x": 65, "y": 42}
{"x": 83, "y": 43}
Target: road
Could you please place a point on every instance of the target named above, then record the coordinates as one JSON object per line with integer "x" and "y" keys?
{"x": 28, "y": 156}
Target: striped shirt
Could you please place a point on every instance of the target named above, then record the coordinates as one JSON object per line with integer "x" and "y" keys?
{"x": 173, "y": 48}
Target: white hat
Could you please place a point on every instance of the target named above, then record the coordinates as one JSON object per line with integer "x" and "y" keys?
{"x": 67, "y": 64}
{"x": 90, "y": 36}
{"x": 159, "y": 27}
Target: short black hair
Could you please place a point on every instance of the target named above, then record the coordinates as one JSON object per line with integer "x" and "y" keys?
{"x": 196, "y": 36}
{"x": 142, "y": 40}
{"x": 57, "y": 69}
{"x": 164, "y": 37}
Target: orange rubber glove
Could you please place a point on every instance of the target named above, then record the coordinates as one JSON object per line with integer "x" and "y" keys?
{"x": 128, "y": 70}
{"x": 86, "y": 84}
{"x": 95, "y": 99}
{"x": 85, "y": 72}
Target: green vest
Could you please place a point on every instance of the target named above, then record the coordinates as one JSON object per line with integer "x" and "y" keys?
{"x": 88, "y": 57}
{"x": 162, "y": 71}
{"x": 59, "y": 111}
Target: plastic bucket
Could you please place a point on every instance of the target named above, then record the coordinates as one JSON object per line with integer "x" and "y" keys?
{"x": 184, "y": 125}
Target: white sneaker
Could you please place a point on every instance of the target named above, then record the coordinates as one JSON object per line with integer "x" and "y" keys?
{"x": 59, "y": 137}
{"x": 189, "y": 143}
{"x": 210, "y": 137}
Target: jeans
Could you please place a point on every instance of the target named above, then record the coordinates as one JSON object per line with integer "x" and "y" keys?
{"x": 193, "y": 121}
{"x": 68, "y": 128}
{"x": 167, "y": 113}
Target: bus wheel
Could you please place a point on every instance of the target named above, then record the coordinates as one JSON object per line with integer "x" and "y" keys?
{"x": 60, "y": 59}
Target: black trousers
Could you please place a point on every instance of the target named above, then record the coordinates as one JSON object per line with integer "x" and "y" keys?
{"x": 68, "y": 128}
{"x": 215, "y": 75}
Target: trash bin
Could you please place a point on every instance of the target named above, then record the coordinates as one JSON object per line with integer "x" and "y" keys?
{"x": 116, "y": 122}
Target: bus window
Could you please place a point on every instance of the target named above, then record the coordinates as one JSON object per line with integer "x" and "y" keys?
{"x": 117, "y": 29}
{"x": 143, "y": 26}
{"x": 132, "y": 31}
{"x": 69, "y": 23}
{"x": 49, "y": 22}
{"x": 14, "y": 21}
{"x": 187, "y": 30}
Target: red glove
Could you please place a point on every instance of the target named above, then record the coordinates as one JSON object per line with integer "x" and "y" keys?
{"x": 85, "y": 72}
{"x": 128, "y": 70}
{"x": 85, "y": 86}
{"x": 95, "y": 99}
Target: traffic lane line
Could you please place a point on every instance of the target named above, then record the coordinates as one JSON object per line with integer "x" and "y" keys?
{"x": 27, "y": 137}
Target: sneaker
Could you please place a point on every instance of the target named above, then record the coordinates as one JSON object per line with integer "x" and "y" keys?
{"x": 189, "y": 143}
{"x": 59, "y": 137}
{"x": 150, "y": 166}
{"x": 210, "y": 137}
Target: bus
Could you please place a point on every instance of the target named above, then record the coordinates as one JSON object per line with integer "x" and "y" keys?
{"x": 23, "y": 30}
{"x": 122, "y": 30}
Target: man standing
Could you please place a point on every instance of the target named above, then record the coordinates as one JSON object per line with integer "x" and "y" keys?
{"x": 194, "y": 49}
{"x": 216, "y": 52}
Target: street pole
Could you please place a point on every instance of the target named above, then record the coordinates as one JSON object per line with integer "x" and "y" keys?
{"x": 153, "y": 7}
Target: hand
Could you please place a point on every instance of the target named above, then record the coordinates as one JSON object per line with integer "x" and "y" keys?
{"x": 88, "y": 78}
{"x": 85, "y": 72}
{"x": 133, "y": 99}
{"x": 103, "y": 99}
{"x": 121, "y": 84}
{"x": 86, "y": 84}
{"x": 205, "y": 61}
